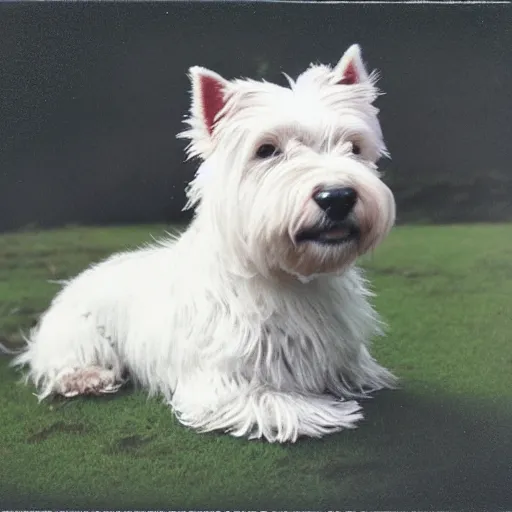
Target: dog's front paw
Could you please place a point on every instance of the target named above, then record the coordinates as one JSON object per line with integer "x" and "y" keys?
{"x": 292, "y": 416}
{"x": 272, "y": 415}
{"x": 87, "y": 381}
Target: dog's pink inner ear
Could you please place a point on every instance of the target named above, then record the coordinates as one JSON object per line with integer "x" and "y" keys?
{"x": 350, "y": 75}
{"x": 212, "y": 99}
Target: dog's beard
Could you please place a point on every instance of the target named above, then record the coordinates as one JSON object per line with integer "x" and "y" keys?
{"x": 311, "y": 259}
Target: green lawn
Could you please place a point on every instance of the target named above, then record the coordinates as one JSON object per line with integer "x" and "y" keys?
{"x": 441, "y": 441}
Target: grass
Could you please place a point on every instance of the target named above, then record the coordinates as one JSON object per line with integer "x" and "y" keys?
{"x": 442, "y": 441}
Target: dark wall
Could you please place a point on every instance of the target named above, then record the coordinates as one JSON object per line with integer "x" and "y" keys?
{"x": 92, "y": 96}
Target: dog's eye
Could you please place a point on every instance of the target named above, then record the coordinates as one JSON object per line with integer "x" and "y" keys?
{"x": 266, "y": 151}
{"x": 356, "y": 148}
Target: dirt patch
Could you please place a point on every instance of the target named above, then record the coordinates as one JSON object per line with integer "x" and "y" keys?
{"x": 128, "y": 445}
{"x": 60, "y": 427}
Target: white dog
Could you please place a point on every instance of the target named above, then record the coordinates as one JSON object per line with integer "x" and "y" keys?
{"x": 254, "y": 321}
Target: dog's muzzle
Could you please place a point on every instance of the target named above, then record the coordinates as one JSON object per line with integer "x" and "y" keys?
{"x": 338, "y": 225}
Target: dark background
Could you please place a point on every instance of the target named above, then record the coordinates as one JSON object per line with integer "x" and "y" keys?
{"x": 92, "y": 96}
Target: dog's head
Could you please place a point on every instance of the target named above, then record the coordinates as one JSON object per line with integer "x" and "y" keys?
{"x": 289, "y": 179}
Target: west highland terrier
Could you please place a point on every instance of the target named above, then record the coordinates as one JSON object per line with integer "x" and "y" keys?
{"x": 255, "y": 321}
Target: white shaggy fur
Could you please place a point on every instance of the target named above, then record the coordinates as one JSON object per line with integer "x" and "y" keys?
{"x": 240, "y": 327}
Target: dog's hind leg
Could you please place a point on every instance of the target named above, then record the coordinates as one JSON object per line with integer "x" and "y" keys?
{"x": 71, "y": 353}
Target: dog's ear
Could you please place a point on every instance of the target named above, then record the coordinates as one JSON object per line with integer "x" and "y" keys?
{"x": 350, "y": 69}
{"x": 208, "y": 96}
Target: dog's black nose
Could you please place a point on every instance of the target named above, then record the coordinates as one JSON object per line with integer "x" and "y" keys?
{"x": 337, "y": 203}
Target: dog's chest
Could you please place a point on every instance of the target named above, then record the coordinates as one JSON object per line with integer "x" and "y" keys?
{"x": 296, "y": 351}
